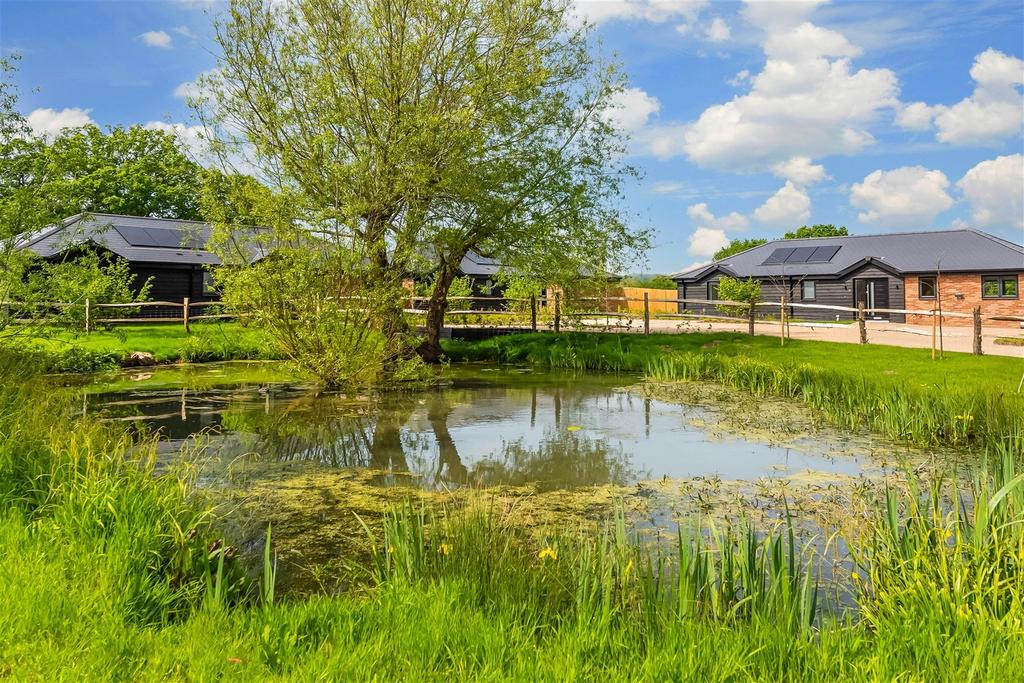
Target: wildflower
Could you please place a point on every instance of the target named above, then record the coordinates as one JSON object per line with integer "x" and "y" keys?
{"x": 548, "y": 553}
{"x": 629, "y": 566}
{"x": 390, "y": 550}
{"x": 856, "y": 577}
{"x": 573, "y": 428}
{"x": 444, "y": 549}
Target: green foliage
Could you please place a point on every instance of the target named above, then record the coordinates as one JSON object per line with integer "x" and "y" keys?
{"x": 323, "y": 313}
{"x": 818, "y": 230}
{"x": 481, "y": 128}
{"x": 736, "y": 246}
{"x": 649, "y": 281}
{"x": 460, "y": 287}
{"x": 745, "y": 291}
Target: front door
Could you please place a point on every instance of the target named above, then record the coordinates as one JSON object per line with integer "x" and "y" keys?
{"x": 873, "y": 292}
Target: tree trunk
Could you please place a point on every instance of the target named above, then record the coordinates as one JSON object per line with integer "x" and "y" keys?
{"x": 430, "y": 349}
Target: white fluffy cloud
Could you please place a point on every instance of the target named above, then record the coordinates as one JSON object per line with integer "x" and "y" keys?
{"x": 734, "y": 222}
{"x": 717, "y": 31}
{"x": 704, "y": 242}
{"x": 787, "y": 207}
{"x": 995, "y": 189}
{"x": 711, "y": 233}
{"x": 800, "y": 170}
{"x": 995, "y": 110}
{"x": 808, "y": 100}
{"x": 631, "y": 109}
{"x": 911, "y": 196}
{"x": 160, "y": 39}
{"x": 48, "y": 123}
{"x": 194, "y": 89}
{"x": 657, "y": 11}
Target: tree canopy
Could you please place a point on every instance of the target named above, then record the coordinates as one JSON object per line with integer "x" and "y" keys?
{"x": 408, "y": 132}
{"x": 817, "y": 230}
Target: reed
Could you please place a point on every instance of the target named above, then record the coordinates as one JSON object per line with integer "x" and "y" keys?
{"x": 929, "y": 416}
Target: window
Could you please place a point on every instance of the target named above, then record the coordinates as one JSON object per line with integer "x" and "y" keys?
{"x": 926, "y": 287}
{"x": 712, "y": 291}
{"x": 209, "y": 286}
{"x": 807, "y": 290}
{"x": 999, "y": 287}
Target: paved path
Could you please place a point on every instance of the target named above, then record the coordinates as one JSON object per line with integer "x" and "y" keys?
{"x": 892, "y": 334}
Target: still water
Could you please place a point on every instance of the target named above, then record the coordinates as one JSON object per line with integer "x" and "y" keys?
{"x": 486, "y": 426}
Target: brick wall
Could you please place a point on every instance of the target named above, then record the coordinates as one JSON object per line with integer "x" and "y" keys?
{"x": 960, "y": 293}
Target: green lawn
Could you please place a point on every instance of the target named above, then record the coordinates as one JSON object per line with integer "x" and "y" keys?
{"x": 67, "y": 351}
{"x": 888, "y": 364}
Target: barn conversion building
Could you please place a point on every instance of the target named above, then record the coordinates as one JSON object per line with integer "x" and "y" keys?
{"x": 912, "y": 270}
{"x": 171, "y": 254}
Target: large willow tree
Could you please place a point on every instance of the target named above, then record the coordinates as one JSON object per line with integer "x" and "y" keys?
{"x": 406, "y": 130}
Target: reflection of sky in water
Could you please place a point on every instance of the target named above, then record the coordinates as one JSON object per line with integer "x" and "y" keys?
{"x": 483, "y": 429}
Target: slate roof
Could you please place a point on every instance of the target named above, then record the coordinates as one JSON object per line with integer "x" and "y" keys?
{"x": 965, "y": 250}
{"x": 475, "y": 265}
{"x": 134, "y": 238}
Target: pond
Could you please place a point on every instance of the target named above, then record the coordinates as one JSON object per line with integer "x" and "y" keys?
{"x": 486, "y": 426}
{"x": 557, "y": 449}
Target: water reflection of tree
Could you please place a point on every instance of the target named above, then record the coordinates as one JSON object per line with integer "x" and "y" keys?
{"x": 405, "y": 432}
{"x": 562, "y": 460}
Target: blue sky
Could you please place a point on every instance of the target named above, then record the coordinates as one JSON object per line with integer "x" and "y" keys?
{"x": 746, "y": 118}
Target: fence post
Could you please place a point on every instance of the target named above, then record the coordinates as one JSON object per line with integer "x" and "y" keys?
{"x": 647, "y": 313}
{"x": 184, "y": 313}
{"x": 782, "y": 320}
{"x": 750, "y": 319}
{"x": 977, "y": 330}
{"x": 533, "y": 312}
{"x": 87, "y": 316}
{"x": 861, "y": 324}
{"x": 558, "y": 310}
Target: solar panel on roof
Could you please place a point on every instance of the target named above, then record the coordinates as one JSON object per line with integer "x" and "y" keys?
{"x": 823, "y": 254}
{"x": 778, "y": 256}
{"x": 800, "y": 255}
{"x": 150, "y": 237}
{"x": 137, "y": 237}
{"x": 165, "y": 238}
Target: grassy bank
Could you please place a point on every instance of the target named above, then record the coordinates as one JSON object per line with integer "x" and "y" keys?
{"x": 963, "y": 401}
{"x": 64, "y": 351}
{"x": 108, "y": 572}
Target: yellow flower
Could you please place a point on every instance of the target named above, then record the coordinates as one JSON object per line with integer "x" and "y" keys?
{"x": 444, "y": 549}
{"x": 391, "y": 550}
{"x": 629, "y": 566}
{"x": 574, "y": 428}
{"x": 548, "y": 553}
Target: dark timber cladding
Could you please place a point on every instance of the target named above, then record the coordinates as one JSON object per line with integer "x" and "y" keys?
{"x": 168, "y": 253}
{"x": 846, "y": 271}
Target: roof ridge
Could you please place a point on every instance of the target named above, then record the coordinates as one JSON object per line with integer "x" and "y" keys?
{"x": 997, "y": 240}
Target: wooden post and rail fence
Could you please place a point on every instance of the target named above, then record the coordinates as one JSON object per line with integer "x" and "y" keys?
{"x": 609, "y": 307}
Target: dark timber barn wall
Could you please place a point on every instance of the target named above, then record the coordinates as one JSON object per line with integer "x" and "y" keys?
{"x": 829, "y": 291}
{"x": 171, "y": 283}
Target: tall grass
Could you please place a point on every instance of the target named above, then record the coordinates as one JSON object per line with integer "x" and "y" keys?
{"x": 929, "y": 415}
